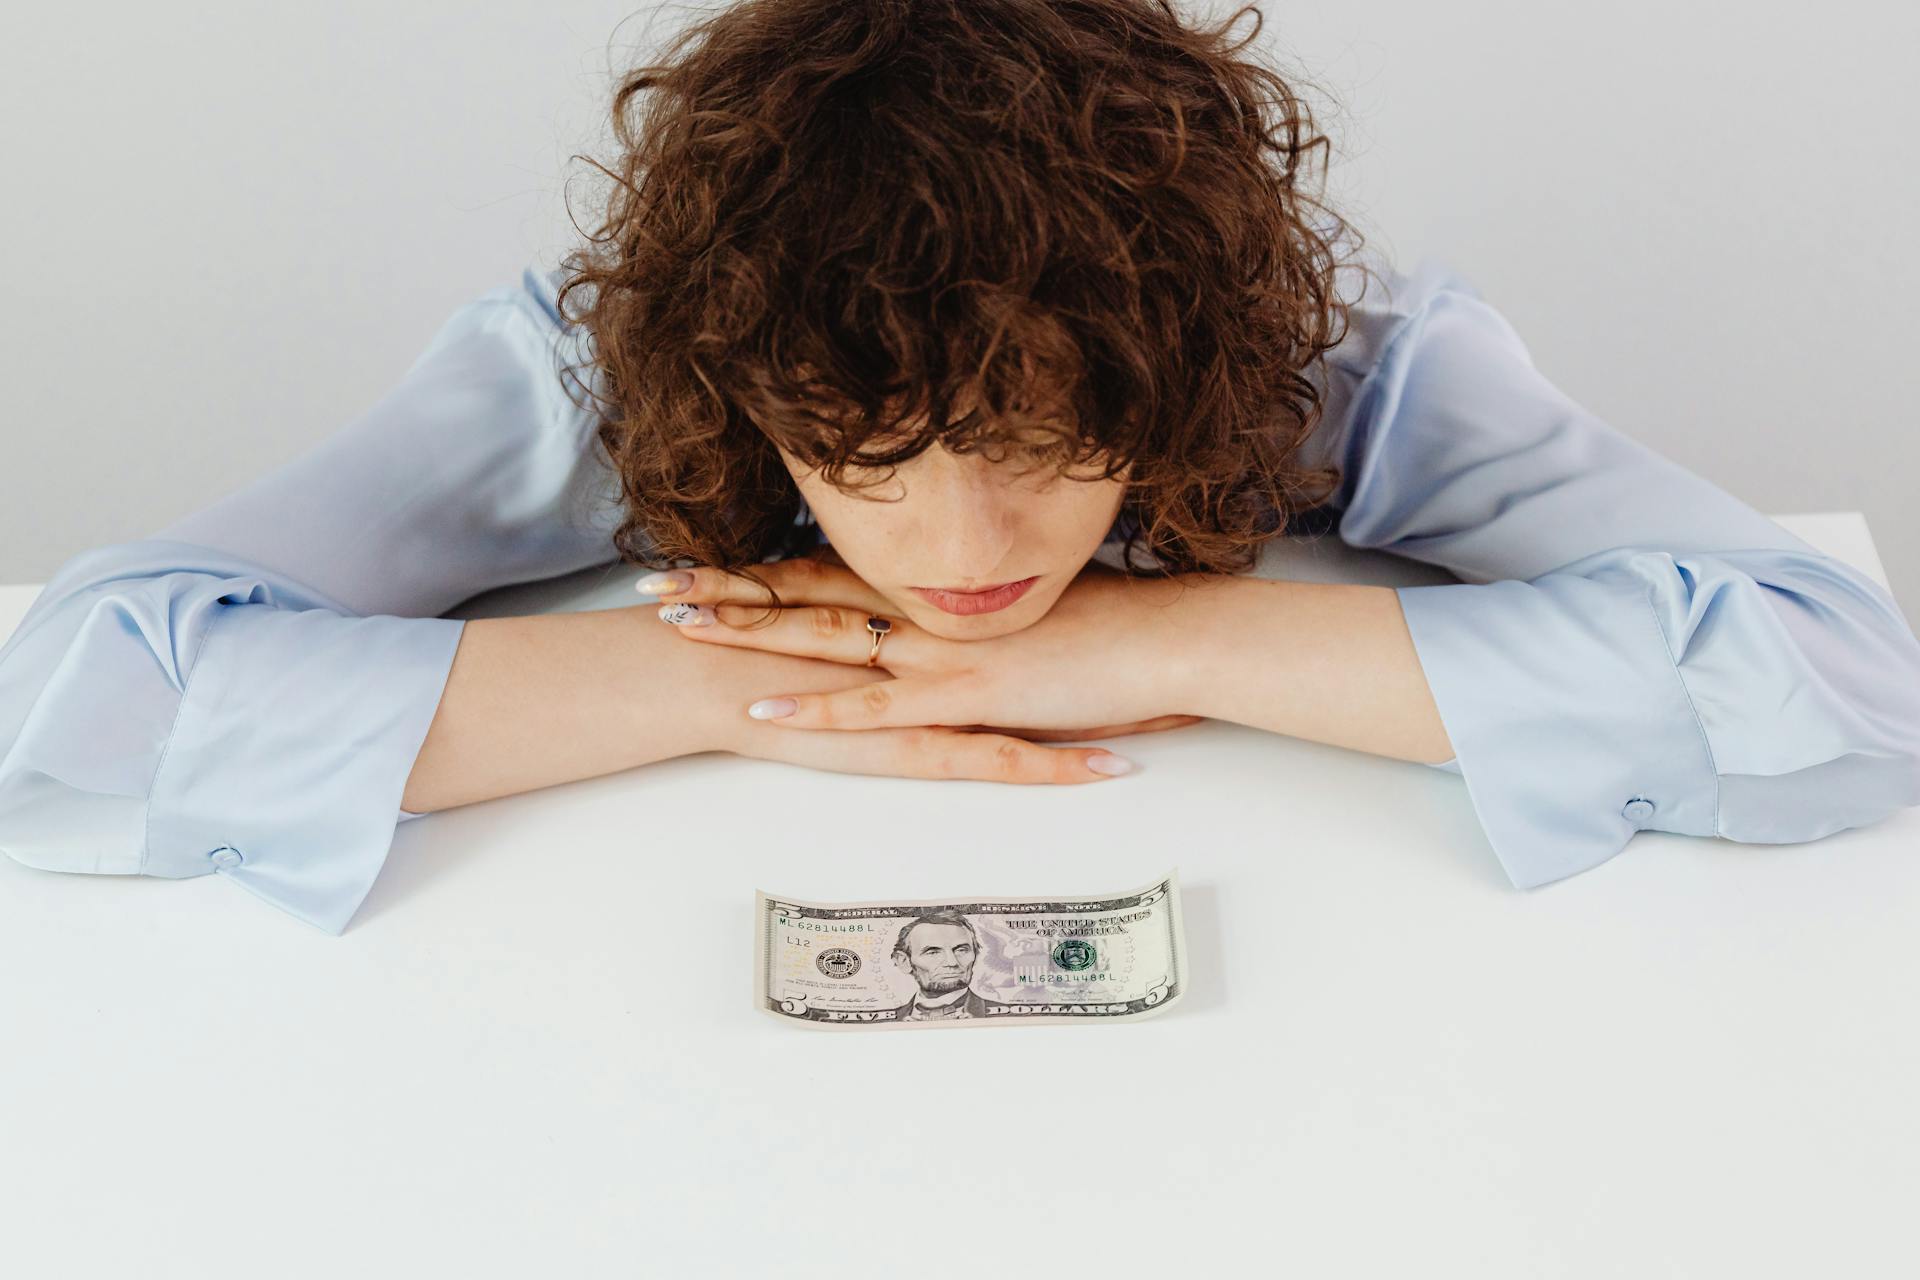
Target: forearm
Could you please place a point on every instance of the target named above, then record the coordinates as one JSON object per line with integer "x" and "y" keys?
{"x": 1330, "y": 662}
{"x": 535, "y": 701}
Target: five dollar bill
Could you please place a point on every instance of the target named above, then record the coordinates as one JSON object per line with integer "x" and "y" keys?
{"x": 1106, "y": 957}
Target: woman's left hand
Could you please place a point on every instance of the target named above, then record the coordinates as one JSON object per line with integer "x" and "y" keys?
{"x": 1104, "y": 660}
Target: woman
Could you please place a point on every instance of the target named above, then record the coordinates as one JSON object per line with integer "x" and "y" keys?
{"x": 970, "y": 289}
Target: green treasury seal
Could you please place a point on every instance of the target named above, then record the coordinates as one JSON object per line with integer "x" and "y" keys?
{"x": 1074, "y": 953}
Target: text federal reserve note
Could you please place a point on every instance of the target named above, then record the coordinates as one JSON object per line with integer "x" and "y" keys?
{"x": 1115, "y": 956}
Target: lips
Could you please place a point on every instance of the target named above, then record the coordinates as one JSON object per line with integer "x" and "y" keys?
{"x": 968, "y": 602}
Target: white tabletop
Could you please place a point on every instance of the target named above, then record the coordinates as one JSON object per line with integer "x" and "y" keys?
{"x": 533, "y": 1052}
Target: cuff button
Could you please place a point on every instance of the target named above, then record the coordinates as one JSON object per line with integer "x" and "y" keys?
{"x": 225, "y": 856}
{"x": 1638, "y": 809}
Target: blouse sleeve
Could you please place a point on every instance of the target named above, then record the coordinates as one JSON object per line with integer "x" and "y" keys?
{"x": 1629, "y": 647}
{"x": 245, "y": 691}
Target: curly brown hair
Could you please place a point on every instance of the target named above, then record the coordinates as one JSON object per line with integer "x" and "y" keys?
{"x": 838, "y": 218}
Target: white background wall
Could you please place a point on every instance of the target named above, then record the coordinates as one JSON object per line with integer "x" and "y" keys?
{"x": 228, "y": 228}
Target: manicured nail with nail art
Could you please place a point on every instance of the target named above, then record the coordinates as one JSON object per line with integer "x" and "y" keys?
{"x": 687, "y": 615}
{"x": 665, "y": 584}
{"x": 1109, "y": 763}
{"x": 772, "y": 708}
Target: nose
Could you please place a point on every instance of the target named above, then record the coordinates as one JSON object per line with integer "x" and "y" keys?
{"x": 968, "y": 520}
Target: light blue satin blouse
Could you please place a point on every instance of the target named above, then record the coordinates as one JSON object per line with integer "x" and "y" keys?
{"x": 244, "y": 692}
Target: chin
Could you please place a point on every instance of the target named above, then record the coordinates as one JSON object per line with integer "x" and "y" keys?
{"x": 977, "y": 626}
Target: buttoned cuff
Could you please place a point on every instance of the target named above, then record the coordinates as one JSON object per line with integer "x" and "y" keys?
{"x": 1569, "y": 720}
{"x": 296, "y": 734}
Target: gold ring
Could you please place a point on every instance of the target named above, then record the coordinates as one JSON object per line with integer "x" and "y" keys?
{"x": 879, "y": 627}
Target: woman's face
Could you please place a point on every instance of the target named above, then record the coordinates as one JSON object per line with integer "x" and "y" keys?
{"x": 965, "y": 523}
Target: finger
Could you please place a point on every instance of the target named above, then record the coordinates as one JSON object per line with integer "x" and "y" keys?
{"x": 799, "y": 580}
{"x": 1155, "y": 725}
{"x": 933, "y": 752}
{"x": 883, "y": 704}
{"x": 828, "y": 632}
{"x": 1098, "y": 731}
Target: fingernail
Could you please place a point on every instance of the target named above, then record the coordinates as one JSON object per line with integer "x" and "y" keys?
{"x": 665, "y": 584}
{"x": 772, "y": 708}
{"x": 687, "y": 615}
{"x": 1106, "y": 762}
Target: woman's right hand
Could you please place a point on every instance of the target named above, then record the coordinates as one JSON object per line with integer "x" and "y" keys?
{"x": 735, "y": 677}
